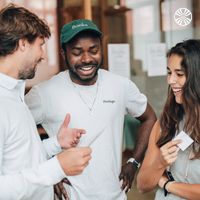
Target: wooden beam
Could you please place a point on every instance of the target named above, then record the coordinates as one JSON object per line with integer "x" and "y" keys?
{"x": 104, "y": 28}
{"x": 87, "y": 9}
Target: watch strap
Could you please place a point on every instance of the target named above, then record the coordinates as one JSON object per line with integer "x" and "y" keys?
{"x": 134, "y": 162}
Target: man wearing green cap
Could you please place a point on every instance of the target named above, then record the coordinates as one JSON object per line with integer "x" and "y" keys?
{"x": 97, "y": 101}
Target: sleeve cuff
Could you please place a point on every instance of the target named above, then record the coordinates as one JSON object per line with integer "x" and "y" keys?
{"x": 52, "y": 146}
{"x": 47, "y": 173}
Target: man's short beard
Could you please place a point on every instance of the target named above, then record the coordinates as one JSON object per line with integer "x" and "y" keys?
{"x": 23, "y": 75}
{"x": 75, "y": 75}
{"x": 86, "y": 80}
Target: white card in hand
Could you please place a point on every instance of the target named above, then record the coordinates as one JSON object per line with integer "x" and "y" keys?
{"x": 186, "y": 140}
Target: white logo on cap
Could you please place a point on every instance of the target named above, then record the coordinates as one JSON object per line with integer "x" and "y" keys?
{"x": 79, "y": 25}
{"x": 183, "y": 16}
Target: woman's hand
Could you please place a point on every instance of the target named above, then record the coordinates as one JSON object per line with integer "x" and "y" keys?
{"x": 169, "y": 152}
{"x": 162, "y": 181}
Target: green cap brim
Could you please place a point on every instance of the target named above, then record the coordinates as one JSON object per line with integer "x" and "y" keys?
{"x": 70, "y": 30}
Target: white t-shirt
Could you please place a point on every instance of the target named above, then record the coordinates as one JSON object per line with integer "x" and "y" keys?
{"x": 25, "y": 172}
{"x": 51, "y": 100}
{"x": 88, "y": 94}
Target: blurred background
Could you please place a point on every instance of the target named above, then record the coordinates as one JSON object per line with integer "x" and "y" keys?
{"x": 148, "y": 27}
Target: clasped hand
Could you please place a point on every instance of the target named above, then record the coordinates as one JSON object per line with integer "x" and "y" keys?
{"x": 127, "y": 176}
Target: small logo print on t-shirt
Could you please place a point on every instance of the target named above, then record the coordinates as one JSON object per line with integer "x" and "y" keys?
{"x": 108, "y": 101}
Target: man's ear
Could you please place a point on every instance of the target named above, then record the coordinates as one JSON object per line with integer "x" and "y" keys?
{"x": 22, "y": 44}
{"x": 62, "y": 53}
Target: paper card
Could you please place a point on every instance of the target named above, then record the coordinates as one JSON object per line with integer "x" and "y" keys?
{"x": 157, "y": 61}
{"x": 119, "y": 59}
{"x": 186, "y": 140}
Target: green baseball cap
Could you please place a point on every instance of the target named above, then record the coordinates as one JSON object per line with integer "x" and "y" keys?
{"x": 71, "y": 29}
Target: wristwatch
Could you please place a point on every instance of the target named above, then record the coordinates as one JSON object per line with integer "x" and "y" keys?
{"x": 165, "y": 185}
{"x": 134, "y": 162}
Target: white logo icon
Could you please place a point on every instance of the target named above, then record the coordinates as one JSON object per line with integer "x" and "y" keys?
{"x": 183, "y": 16}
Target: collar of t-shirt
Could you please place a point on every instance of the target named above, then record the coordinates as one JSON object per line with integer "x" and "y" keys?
{"x": 87, "y": 94}
{"x": 13, "y": 85}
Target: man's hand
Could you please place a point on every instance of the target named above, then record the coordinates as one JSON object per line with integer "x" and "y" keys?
{"x": 127, "y": 176}
{"x": 69, "y": 137}
{"x": 74, "y": 160}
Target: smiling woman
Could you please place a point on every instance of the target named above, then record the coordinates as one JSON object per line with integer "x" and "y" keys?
{"x": 176, "y": 76}
{"x": 181, "y": 113}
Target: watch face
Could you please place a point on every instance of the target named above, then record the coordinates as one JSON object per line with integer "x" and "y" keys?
{"x": 134, "y": 162}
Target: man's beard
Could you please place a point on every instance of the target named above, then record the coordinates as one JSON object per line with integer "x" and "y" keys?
{"x": 23, "y": 75}
{"x": 76, "y": 76}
